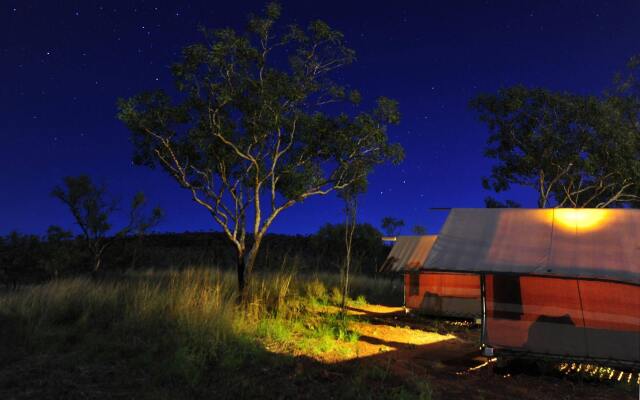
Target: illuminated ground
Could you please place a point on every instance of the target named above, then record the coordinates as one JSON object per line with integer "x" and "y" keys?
{"x": 445, "y": 353}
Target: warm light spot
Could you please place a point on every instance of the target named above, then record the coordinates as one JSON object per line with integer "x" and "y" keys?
{"x": 599, "y": 372}
{"x": 582, "y": 219}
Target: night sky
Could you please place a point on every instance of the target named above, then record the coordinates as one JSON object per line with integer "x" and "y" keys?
{"x": 65, "y": 63}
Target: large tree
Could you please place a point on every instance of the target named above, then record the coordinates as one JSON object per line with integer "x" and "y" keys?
{"x": 256, "y": 126}
{"x": 574, "y": 150}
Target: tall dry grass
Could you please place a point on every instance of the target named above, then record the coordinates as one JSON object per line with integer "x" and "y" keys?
{"x": 177, "y": 325}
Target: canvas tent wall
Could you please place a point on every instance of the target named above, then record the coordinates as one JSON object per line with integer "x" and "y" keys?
{"x": 444, "y": 294}
{"x": 557, "y": 282}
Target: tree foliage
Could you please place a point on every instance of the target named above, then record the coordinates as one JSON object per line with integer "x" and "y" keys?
{"x": 391, "y": 226}
{"x": 368, "y": 250}
{"x": 419, "y": 230}
{"x": 491, "y": 202}
{"x": 255, "y": 126}
{"x": 574, "y": 150}
{"x": 19, "y": 255}
{"x": 91, "y": 210}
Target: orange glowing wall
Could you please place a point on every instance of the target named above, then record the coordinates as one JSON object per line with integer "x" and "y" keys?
{"x": 566, "y": 317}
{"x": 445, "y": 285}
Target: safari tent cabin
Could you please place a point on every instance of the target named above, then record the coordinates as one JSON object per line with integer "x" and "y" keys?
{"x": 556, "y": 283}
{"x": 435, "y": 293}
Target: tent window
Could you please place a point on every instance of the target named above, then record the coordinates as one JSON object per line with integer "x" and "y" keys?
{"x": 507, "y": 296}
{"x": 414, "y": 283}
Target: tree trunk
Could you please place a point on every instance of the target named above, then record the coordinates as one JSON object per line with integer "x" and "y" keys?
{"x": 134, "y": 257}
{"x": 240, "y": 266}
{"x": 252, "y": 255}
{"x": 349, "y": 227}
{"x": 97, "y": 262}
{"x": 98, "y": 250}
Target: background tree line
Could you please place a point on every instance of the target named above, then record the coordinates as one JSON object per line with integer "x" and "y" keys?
{"x": 26, "y": 258}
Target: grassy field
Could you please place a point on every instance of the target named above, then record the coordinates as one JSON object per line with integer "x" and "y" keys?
{"x": 180, "y": 334}
{"x": 175, "y": 335}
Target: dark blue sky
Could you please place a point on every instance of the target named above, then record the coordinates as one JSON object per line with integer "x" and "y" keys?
{"x": 64, "y": 64}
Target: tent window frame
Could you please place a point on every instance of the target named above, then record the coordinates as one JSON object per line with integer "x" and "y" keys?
{"x": 507, "y": 292}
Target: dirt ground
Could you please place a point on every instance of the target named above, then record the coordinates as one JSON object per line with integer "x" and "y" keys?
{"x": 446, "y": 353}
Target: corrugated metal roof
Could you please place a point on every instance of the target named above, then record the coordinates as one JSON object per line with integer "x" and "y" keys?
{"x": 574, "y": 243}
{"x": 408, "y": 253}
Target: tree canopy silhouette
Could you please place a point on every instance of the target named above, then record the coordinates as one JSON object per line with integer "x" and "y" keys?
{"x": 92, "y": 210}
{"x": 391, "y": 226}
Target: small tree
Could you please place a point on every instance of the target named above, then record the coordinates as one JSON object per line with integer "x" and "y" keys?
{"x": 60, "y": 250}
{"x": 491, "y": 202}
{"x": 350, "y": 197}
{"x": 92, "y": 210}
{"x": 419, "y": 230}
{"x": 140, "y": 223}
{"x": 368, "y": 250}
{"x": 391, "y": 226}
{"x": 251, "y": 133}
